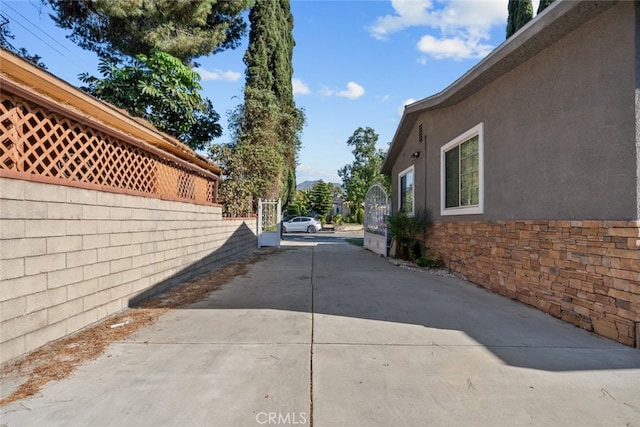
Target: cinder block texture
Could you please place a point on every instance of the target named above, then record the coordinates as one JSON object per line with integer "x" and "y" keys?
{"x": 584, "y": 272}
{"x": 70, "y": 257}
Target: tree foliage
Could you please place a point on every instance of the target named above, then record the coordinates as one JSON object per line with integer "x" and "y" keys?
{"x": 241, "y": 183}
{"x": 543, "y": 5}
{"x": 147, "y": 49}
{"x": 298, "y": 206}
{"x": 5, "y": 42}
{"x": 407, "y": 231}
{"x": 269, "y": 72}
{"x": 185, "y": 29}
{"x": 268, "y": 119}
{"x": 520, "y": 12}
{"x": 365, "y": 169}
{"x": 161, "y": 90}
{"x": 321, "y": 199}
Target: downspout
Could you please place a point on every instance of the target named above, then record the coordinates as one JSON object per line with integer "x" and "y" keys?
{"x": 425, "y": 172}
{"x": 637, "y": 105}
{"x": 426, "y": 211}
{"x": 637, "y": 117}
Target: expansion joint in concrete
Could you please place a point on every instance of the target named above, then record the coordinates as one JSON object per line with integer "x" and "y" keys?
{"x": 313, "y": 259}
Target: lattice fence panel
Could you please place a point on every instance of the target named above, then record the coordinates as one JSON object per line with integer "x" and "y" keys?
{"x": 212, "y": 191}
{"x": 9, "y": 155}
{"x": 39, "y": 142}
{"x": 200, "y": 190}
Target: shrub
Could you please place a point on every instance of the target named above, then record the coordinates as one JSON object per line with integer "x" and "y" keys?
{"x": 426, "y": 262}
{"x": 360, "y": 216}
{"x": 405, "y": 230}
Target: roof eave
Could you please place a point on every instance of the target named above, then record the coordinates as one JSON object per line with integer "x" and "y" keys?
{"x": 559, "y": 19}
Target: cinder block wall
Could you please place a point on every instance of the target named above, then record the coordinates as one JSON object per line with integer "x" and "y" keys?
{"x": 584, "y": 272}
{"x": 71, "y": 257}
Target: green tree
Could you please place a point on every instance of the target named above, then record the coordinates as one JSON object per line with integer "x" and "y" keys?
{"x": 185, "y": 29}
{"x": 268, "y": 118}
{"x": 161, "y": 90}
{"x": 520, "y": 12}
{"x": 298, "y": 205}
{"x": 321, "y": 199}
{"x": 6, "y": 36}
{"x": 543, "y": 5}
{"x": 268, "y": 75}
{"x": 147, "y": 48}
{"x": 234, "y": 190}
{"x": 242, "y": 185}
{"x": 365, "y": 169}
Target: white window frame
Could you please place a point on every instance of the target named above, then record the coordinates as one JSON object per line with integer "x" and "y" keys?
{"x": 477, "y": 130}
{"x": 413, "y": 190}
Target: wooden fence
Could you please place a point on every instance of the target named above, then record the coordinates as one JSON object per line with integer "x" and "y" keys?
{"x": 49, "y": 142}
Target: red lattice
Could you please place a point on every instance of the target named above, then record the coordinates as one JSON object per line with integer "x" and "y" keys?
{"x": 39, "y": 142}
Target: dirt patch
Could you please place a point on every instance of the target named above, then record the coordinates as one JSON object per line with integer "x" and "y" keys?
{"x": 60, "y": 358}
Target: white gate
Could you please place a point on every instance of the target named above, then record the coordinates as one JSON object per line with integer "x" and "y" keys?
{"x": 376, "y": 209}
{"x": 269, "y": 223}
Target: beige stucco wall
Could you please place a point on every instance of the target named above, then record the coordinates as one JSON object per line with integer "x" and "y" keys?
{"x": 70, "y": 257}
{"x": 559, "y": 131}
{"x": 559, "y": 229}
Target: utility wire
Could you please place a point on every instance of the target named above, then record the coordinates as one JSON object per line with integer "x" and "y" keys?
{"x": 37, "y": 28}
{"x": 12, "y": 19}
{"x": 71, "y": 56}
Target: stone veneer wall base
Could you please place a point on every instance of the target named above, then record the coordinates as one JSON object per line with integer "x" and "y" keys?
{"x": 584, "y": 272}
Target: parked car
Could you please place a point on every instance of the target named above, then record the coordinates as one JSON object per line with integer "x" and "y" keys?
{"x": 301, "y": 223}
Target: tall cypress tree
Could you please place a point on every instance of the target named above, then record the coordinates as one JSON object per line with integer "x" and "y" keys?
{"x": 520, "y": 12}
{"x": 270, "y": 117}
{"x": 543, "y": 5}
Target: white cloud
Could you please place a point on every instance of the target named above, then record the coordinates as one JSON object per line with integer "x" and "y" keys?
{"x": 299, "y": 87}
{"x": 408, "y": 13}
{"x": 353, "y": 91}
{"x": 458, "y": 29}
{"x": 384, "y": 98}
{"x": 454, "y": 48}
{"x": 229, "y": 76}
{"x": 326, "y": 91}
{"x": 404, "y": 104}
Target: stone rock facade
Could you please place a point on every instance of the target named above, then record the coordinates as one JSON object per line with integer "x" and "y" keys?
{"x": 584, "y": 272}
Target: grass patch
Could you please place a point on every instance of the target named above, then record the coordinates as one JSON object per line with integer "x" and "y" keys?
{"x": 357, "y": 241}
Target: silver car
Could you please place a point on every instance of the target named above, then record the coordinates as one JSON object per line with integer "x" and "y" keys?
{"x": 302, "y": 223}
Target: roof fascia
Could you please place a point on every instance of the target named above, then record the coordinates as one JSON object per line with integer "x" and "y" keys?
{"x": 556, "y": 21}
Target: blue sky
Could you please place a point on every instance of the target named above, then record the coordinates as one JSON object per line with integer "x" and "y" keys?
{"x": 356, "y": 63}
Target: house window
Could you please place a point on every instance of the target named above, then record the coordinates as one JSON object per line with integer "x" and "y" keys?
{"x": 405, "y": 191}
{"x": 462, "y": 186}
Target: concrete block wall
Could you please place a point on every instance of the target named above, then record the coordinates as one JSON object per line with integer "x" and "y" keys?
{"x": 70, "y": 257}
{"x": 584, "y": 272}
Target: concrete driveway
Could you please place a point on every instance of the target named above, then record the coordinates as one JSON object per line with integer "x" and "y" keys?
{"x": 328, "y": 334}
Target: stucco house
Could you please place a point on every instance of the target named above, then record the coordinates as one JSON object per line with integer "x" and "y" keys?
{"x": 529, "y": 165}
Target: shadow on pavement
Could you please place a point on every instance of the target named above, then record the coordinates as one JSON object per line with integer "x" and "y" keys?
{"x": 358, "y": 297}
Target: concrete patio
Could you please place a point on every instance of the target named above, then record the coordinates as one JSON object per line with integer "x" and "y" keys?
{"x": 325, "y": 333}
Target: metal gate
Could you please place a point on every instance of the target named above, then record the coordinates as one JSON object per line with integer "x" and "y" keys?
{"x": 376, "y": 209}
{"x": 269, "y": 223}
